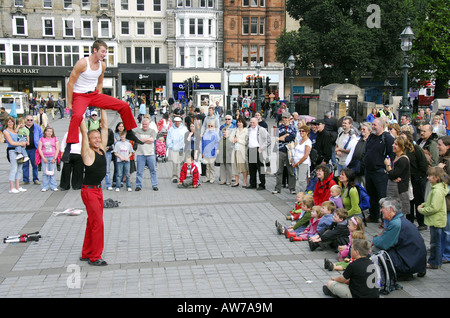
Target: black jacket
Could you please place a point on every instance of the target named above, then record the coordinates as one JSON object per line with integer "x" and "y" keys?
{"x": 323, "y": 146}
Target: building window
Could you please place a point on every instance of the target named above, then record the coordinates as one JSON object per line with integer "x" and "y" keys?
{"x": 192, "y": 26}
{"x": 104, "y": 28}
{"x": 254, "y": 3}
{"x": 245, "y": 26}
{"x": 69, "y": 30}
{"x": 18, "y": 3}
{"x": 48, "y": 4}
{"x": 200, "y": 58}
{"x": 140, "y": 26}
{"x": 20, "y": 54}
{"x": 143, "y": 55}
{"x": 86, "y": 28}
{"x": 182, "y": 57}
{"x": 20, "y": 26}
{"x": 253, "y": 55}
{"x": 128, "y": 55}
{"x": 179, "y": 3}
{"x": 124, "y": 5}
{"x": 47, "y": 27}
{"x": 85, "y": 4}
{"x": 156, "y": 5}
{"x": 110, "y": 58}
{"x": 104, "y": 4}
{"x": 2, "y": 54}
{"x": 67, "y": 4}
{"x": 210, "y": 27}
{"x": 157, "y": 53}
{"x": 156, "y": 28}
{"x": 262, "y": 49}
{"x": 244, "y": 55}
{"x": 71, "y": 55}
{"x": 200, "y": 27}
{"x": 140, "y": 6}
{"x": 181, "y": 26}
{"x": 125, "y": 28}
{"x": 254, "y": 26}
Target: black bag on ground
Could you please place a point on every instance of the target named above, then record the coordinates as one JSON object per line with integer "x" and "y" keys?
{"x": 110, "y": 203}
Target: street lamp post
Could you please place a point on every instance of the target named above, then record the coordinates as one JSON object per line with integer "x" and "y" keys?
{"x": 258, "y": 102}
{"x": 228, "y": 89}
{"x": 406, "y": 37}
{"x": 291, "y": 65}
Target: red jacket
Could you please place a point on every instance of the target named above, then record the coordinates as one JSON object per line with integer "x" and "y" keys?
{"x": 194, "y": 173}
{"x": 322, "y": 190}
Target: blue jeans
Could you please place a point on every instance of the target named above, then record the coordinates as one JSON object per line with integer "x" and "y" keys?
{"x": 15, "y": 171}
{"x": 107, "y": 178}
{"x": 445, "y": 239}
{"x": 49, "y": 181}
{"x": 26, "y": 166}
{"x": 150, "y": 162}
{"x": 435, "y": 246}
{"x": 123, "y": 168}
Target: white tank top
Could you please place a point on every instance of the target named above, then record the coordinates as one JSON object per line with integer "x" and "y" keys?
{"x": 88, "y": 80}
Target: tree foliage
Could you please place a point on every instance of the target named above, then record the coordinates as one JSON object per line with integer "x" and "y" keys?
{"x": 431, "y": 49}
{"x": 335, "y": 36}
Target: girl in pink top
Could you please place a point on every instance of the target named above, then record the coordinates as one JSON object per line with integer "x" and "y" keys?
{"x": 49, "y": 149}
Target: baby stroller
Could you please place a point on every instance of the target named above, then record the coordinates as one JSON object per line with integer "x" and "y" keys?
{"x": 161, "y": 151}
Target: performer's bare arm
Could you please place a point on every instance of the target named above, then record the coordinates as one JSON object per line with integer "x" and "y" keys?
{"x": 87, "y": 154}
{"x": 79, "y": 68}
{"x": 104, "y": 130}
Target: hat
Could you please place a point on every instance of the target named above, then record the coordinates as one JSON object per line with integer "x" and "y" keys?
{"x": 177, "y": 119}
{"x": 94, "y": 113}
{"x": 286, "y": 114}
{"x": 316, "y": 122}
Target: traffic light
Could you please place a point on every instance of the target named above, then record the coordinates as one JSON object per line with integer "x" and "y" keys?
{"x": 267, "y": 82}
{"x": 249, "y": 81}
{"x": 260, "y": 84}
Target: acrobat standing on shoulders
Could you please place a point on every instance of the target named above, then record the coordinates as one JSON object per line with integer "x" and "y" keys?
{"x": 84, "y": 89}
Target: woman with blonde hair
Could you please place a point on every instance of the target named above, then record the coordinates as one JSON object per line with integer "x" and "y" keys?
{"x": 15, "y": 172}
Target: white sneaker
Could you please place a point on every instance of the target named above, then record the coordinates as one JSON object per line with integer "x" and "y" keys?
{"x": 14, "y": 191}
{"x": 117, "y": 190}
{"x": 110, "y": 188}
{"x": 26, "y": 159}
{"x": 43, "y": 190}
{"x": 19, "y": 156}
{"x": 129, "y": 190}
{"x": 22, "y": 189}
{"x": 56, "y": 190}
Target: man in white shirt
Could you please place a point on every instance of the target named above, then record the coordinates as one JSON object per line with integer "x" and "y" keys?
{"x": 345, "y": 141}
{"x": 258, "y": 147}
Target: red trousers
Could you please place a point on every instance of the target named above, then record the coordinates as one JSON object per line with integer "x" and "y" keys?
{"x": 81, "y": 101}
{"x": 94, "y": 236}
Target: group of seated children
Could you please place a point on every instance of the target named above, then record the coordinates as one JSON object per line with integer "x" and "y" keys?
{"x": 328, "y": 226}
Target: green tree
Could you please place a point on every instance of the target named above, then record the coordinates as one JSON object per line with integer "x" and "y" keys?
{"x": 335, "y": 36}
{"x": 431, "y": 49}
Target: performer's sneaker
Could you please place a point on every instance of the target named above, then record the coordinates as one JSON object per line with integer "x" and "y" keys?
{"x": 132, "y": 136}
{"x": 98, "y": 262}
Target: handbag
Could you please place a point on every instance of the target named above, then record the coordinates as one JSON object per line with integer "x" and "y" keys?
{"x": 410, "y": 188}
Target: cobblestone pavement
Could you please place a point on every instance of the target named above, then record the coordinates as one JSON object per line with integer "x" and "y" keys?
{"x": 215, "y": 241}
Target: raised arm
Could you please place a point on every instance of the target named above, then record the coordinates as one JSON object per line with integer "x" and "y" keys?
{"x": 104, "y": 130}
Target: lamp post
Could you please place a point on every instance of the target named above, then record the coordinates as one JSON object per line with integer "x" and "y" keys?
{"x": 258, "y": 102}
{"x": 228, "y": 89}
{"x": 291, "y": 65}
{"x": 406, "y": 37}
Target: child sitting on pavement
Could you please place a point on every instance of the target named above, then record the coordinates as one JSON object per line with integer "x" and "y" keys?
{"x": 342, "y": 265}
{"x": 189, "y": 174}
{"x": 334, "y": 235}
{"x": 302, "y": 222}
{"x": 297, "y": 211}
{"x": 311, "y": 229}
{"x": 335, "y": 196}
{"x": 358, "y": 279}
{"x": 327, "y": 209}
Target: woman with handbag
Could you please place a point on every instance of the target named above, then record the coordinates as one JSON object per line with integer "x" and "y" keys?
{"x": 399, "y": 183}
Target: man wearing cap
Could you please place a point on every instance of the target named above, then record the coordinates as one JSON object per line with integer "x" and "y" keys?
{"x": 323, "y": 142}
{"x": 286, "y": 134}
{"x": 385, "y": 112}
{"x": 93, "y": 122}
{"x": 175, "y": 142}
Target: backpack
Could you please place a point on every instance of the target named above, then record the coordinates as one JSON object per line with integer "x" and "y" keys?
{"x": 364, "y": 198}
{"x": 386, "y": 274}
{"x": 110, "y": 203}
